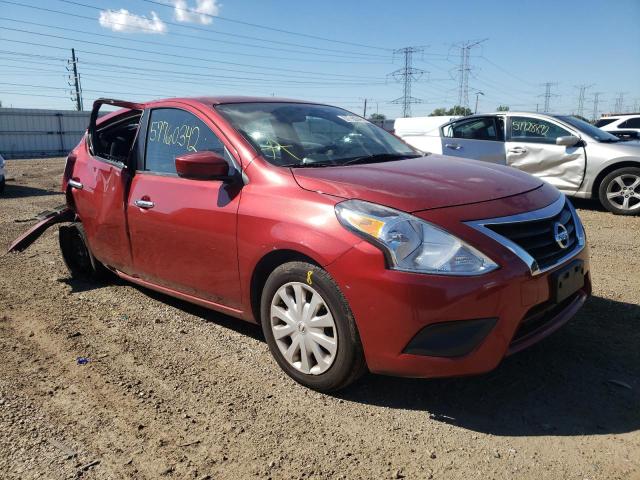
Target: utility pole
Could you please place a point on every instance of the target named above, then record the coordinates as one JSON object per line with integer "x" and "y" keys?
{"x": 596, "y": 101}
{"x": 463, "y": 71}
{"x": 74, "y": 79}
{"x": 547, "y": 95}
{"x": 407, "y": 75}
{"x": 478, "y": 93}
{"x": 364, "y": 113}
{"x": 581, "y": 96}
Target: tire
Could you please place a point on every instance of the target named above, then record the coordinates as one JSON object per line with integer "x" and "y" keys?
{"x": 2, "y": 184}
{"x": 327, "y": 368}
{"x": 619, "y": 191}
{"x": 80, "y": 262}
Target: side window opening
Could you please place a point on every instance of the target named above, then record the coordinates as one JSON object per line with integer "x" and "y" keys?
{"x": 535, "y": 130}
{"x": 114, "y": 140}
{"x": 474, "y": 129}
{"x": 172, "y": 132}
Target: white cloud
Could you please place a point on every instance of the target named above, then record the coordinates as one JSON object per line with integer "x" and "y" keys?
{"x": 124, "y": 21}
{"x": 202, "y": 12}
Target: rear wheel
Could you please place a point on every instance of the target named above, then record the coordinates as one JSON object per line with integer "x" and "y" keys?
{"x": 309, "y": 327}
{"x": 77, "y": 257}
{"x": 620, "y": 191}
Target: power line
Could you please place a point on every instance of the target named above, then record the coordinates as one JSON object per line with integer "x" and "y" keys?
{"x": 619, "y": 102}
{"x": 596, "y": 101}
{"x": 333, "y": 52}
{"x": 200, "y": 59}
{"x": 208, "y": 50}
{"x": 407, "y": 75}
{"x": 548, "y": 95}
{"x": 255, "y": 25}
{"x": 581, "y": 96}
{"x": 463, "y": 71}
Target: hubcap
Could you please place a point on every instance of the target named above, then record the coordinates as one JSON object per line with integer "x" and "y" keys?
{"x": 303, "y": 328}
{"x": 624, "y": 191}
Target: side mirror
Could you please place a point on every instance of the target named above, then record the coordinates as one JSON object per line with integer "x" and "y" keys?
{"x": 568, "y": 141}
{"x": 203, "y": 165}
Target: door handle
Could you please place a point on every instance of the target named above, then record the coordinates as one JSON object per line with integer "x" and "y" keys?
{"x": 518, "y": 150}
{"x": 75, "y": 184}
{"x": 453, "y": 146}
{"x": 146, "y": 204}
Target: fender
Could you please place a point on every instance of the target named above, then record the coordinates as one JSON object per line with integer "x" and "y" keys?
{"x": 48, "y": 218}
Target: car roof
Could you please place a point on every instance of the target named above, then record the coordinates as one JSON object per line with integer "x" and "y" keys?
{"x": 226, "y": 99}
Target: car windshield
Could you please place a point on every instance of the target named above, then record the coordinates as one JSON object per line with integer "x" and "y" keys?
{"x": 307, "y": 135}
{"x": 589, "y": 129}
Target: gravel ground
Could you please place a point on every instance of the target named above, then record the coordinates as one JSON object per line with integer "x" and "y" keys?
{"x": 176, "y": 391}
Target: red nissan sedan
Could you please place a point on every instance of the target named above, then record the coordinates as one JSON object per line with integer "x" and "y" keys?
{"x": 353, "y": 251}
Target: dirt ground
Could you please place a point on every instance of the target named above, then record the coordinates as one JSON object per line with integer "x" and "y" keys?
{"x": 176, "y": 391}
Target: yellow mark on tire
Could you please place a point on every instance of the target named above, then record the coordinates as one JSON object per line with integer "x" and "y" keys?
{"x": 309, "y": 274}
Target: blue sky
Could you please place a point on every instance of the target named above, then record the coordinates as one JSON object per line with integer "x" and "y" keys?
{"x": 168, "y": 51}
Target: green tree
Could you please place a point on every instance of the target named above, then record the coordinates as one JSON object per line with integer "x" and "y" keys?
{"x": 459, "y": 110}
{"x": 502, "y": 108}
{"x": 438, "y": 112}
{"x": 377, "y": 117}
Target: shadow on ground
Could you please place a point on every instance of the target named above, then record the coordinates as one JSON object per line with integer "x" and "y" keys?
{"x": 11, "y": 190}
{"x": 583, "y": 380}
{"x": 573, "y": 383}
{"x": 588, "y": 204}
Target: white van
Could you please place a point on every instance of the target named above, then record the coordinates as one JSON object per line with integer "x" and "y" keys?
{"x": 422, "y": 133}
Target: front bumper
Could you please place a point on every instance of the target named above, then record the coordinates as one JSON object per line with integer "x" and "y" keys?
{"x": 391, "y": 307}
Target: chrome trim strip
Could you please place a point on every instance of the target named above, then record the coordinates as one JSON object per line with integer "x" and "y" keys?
{"x": 541, "y": 214}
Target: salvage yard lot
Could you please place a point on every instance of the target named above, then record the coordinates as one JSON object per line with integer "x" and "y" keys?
{"x": 176, "y": 391}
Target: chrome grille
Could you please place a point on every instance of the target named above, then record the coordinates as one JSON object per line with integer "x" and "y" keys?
{"x": 537, "y": 237}
{"x": 532, "y": 235}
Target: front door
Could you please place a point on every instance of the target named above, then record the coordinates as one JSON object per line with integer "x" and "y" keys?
{"x": 183, "y": 231}
{"x": 99, "y": 182}
{"x": 477, "y": 138}
{"x": 531, "y": 147}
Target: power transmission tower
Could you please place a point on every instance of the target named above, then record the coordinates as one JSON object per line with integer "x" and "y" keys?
{"x": 581, "y": 97}
{"x": 464, "y": 69}
{"x": 74, "y": 81}
{"x": 619, "y": 103}
{"x": 547, "y": 95}
{"x": 596, "y": 101}
{"x": 407, "y": 75}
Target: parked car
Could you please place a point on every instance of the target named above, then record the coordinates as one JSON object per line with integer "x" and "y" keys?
{"x": 352, "y": 250}
{"x": 625, "y": 127}
{"x": 2, "y": 174}
{"x": 579, "y": 159}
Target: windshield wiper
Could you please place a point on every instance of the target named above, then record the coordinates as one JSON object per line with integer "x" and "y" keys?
{"x": 379, "y": 157}
{"x": 309, "y": 165}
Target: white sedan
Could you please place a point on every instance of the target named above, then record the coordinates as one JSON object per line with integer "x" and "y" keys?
{"x": 574, "y": 156}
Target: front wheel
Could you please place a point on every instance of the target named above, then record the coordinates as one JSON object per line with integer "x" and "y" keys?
{"x": 309, "y": 327}
{"x": 77, "y": 257}
{"x": 620, "y": 191}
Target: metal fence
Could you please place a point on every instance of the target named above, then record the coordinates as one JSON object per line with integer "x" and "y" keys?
{"x": 30, "y": 133}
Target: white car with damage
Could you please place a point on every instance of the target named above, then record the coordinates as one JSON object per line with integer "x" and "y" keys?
{"x": 579, "y": 159}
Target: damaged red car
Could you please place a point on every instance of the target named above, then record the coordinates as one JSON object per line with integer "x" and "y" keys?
{"x": 353, "y": 250}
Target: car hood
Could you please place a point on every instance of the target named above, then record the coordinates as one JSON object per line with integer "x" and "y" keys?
{"x": 415, "y": 184}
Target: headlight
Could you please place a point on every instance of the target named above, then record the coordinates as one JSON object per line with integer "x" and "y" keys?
{"x": 411, "y": 244}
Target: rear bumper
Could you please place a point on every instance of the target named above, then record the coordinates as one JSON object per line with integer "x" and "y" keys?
{"x": 391, "y": 308}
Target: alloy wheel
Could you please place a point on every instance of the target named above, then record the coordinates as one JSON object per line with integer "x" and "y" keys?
{"x": 624, "y": 191}
{"x": 303, "y": 328}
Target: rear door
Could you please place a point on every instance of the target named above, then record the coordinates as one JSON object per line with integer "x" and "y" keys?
{"x": 478, "y": 138}
{"x": 531, "y": 147}
{"x": 99, "y": 180}
{"x": 183, "y": 231}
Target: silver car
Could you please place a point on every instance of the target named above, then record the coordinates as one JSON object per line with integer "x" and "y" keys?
{"x": 574, "y": 156}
